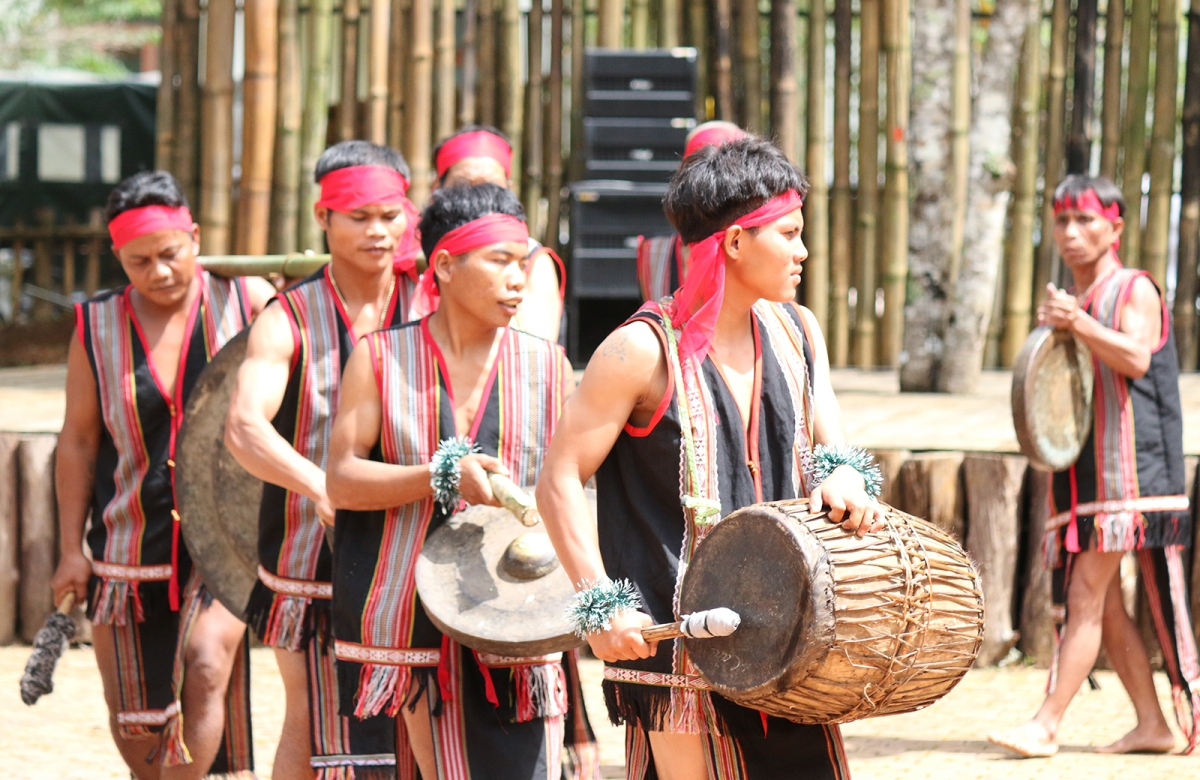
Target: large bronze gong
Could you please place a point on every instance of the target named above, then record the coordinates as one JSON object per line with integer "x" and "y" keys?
{"x": 1052, "y": 398}
{"x": 218, "y": 500}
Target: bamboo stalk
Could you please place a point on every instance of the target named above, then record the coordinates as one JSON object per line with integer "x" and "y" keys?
{"x": 865, "y": 240}
{"x": 216, "y": 114}
{"x": 895, "y": 193}
{"x": 347, "y": 127}
{"x": 1162, "y": 143}
{"x": 578, "y": 44}
{"x": 377, "y": 78}
{"x": 286, "y": 170}
{"x": 443, "y": 97}
{"x": 397, "y": 72}
{"x": 420, "y": 90}
{"x": 1083, "y": 81}
{"x": 612, "y": 24}
{"x": 1133, "y": 157}
{"x": 639, "y": 24}
{"x": 470, "y": 62}
{"x": 1110, "y": 111}
{"x": 485, "y": 105}
{"x": 187, "y": 149}
{"x": 816, "y": 216}
{"x": 531, "y": 181}
{"x": 699, "y": 40}
{"x": 1189, "y": 195}
{"x": 802, "y": 25}
{"x": 960, "y": 151}
{"x": 552, "y": 161}
{"x": 723, "y": 59}
{"x": 512, "y": 93}
{"x": 1019, "y": 284}
{"x": 748, "y": 37}
{"x": 1060, "y": 16}
{"x": 841, "y": 247}
{"x": 669, "y": 24}
{"x": 165, "y": 104}
{"x": 784, "y": 110}
{"x": 315, "y": 119}
{"x": 261, "y": 19}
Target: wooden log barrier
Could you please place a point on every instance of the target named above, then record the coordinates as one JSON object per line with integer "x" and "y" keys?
{"x": 993, "y": 492}
{"x": 10, "y": 538}
{"x": 1037, "y": 619}
{"x": 930, "y": 488}
{"x": 890, "y": 462}
{"x": 39, "y": 519}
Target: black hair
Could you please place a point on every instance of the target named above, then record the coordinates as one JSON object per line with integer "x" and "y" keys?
{"x": 716, "y": 185}
{"x": 348, "y": 154}
{"x": 456, "y": 206}
{"x": 470, "y": 129}
{"x": 144, "y": 188}
{"x": 1077, "y": 184}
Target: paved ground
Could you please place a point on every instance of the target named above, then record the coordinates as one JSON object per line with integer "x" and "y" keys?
{"x": 65, "y": 737}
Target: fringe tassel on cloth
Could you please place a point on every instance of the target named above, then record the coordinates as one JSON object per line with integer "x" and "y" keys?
{"x": 662, "y": 708}
{"x": 581, "y": 753}
{"x": 286, "y": 622}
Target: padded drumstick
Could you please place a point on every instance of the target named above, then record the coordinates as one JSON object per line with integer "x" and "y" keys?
{"x": 51, "y": 640}
{"x": 720, "y": 621}
{"x": 514, "y": 499}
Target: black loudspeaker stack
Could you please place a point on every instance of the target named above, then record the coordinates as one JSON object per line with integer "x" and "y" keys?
{"x": 638, "y": 109}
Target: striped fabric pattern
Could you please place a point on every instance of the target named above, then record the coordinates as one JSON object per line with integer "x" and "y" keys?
{"x": 655, "y": 254}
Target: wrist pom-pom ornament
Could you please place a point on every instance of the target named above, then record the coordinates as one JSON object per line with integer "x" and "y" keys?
{"x": 592, "y": 609}
{"x": 827, "y": 459}
{"x": 444, "y": 472}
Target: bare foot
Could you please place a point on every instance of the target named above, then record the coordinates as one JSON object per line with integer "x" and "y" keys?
{"x": 1143, "y": 739}
{"x": 1029, "y": 740}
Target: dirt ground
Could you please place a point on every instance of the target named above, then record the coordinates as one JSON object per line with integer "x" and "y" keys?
{"x": 65, "y": 736}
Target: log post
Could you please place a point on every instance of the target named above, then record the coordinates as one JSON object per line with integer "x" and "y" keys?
{"x": 259, "y": 93}
{"x": 91, "y": 276}
{"x": 866, "y": 227}
{"x": 39, "y": 520}
{"x": 10, "y": 537}
{"x": 1037, "y": 618}
{"x": 930, "y": 488}
{"x": 993, "y": 491}
{"x": 890, "y": 462}
{"x": 43, "y": 274}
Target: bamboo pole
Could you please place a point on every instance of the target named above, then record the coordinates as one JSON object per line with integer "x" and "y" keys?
{"x": 470, "y": 62}
{"x": 512, "y": 93}
{"x": 1019, "y": 284}
{"x": 1156, "y": 246}
{"x": 784, "y": 110}
{"x": 1055, "y": 149}
{"x": 347, "y": 127}
{"x": 578, "y": 44}
{"x": 960, "y": 151}
{"x": 668, "y": 24}
{"x": 286, "y": 170}
{"x": 841, "y": 246}
{"x": 1189, "y": 211}
{"x": 531, "y": 182}
{"x": 485, "y": 105}
{"x": 397, "y": 72}
{"x": 639, "y": 24}
{"x": 698, "y": 38}
{"x": 895, "y": 193}
{"x": 802, "y": 25}
{"x": 552, "y": 162}
{"x": 258, "y": 125}
{"x": 377, "y": 78}
{"x": 1110, "y": 111}
{"x": 216, "y": 114}
{"x": 443, "y": 97}
{"x": 865, "y": 240}
{"x": 1133, "y": 157}
{"x": 1083, "y": 81}
{"x": 816, "y": 216}
{"x": 723, "y": 59}
{"x": 748, "y": 38}
{"x": 165, "y": 104}
{"x": 612, "y": 24}
{"x": 420, "y": 79}
{"x": 315, "y": 119}
{"x": 187, "y": 149}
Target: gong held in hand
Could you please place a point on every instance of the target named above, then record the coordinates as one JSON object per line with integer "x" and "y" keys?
{"x": 1052, "y": 398}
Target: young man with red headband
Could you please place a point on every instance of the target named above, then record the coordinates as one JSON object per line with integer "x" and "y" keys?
{"x": 662, "y": 260}
{"x": 729, "y": 378}
{"x": 166, "y": 650}
{"x": 427, "y": 409}
{"x": 1126, "y": 492}
{"x": 481, "y": 154}
{"x": 280, "y": 417}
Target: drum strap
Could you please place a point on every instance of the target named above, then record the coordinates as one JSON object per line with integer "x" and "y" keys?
{"x": 704, "y": 509}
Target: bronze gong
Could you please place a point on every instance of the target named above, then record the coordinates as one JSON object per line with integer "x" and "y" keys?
{"x": 218, "y": 500}
{"x": 1052, "y": 398}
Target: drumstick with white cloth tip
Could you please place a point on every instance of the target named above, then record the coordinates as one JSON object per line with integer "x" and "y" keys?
{"x": 706, "y": 624}
{"x": 514, "y": 499}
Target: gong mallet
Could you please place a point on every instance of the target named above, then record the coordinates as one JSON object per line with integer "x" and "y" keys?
{"x": 720, "y": 621}
{"x": 514, "y": 499}
{"x": 48, "y": 645}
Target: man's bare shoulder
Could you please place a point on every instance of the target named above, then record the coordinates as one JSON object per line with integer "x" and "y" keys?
{"x": 634, "y": 343}
{"x": 260, "y": 292}
{"x": 271, "y": 335}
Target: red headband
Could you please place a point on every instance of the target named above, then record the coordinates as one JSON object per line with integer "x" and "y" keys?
{"x": 135, "y": 223}
{"x": 712, "y": 136}
{"x": 477, "y": 143}
{"x": 488, "y": 229}
{"x": 1089, "y": 201}
{"x": 698, "y": 302}
{"x": 347, "y": 189}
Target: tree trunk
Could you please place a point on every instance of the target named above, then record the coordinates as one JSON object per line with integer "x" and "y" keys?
{"x": 286, "y": 170}
{"x": 39, "y": 523}
{"x": 1056, "y": 110}
{"x": 10, "y": 538}
{"x": 315, "y": 121}
{"x": 512, "y": 92}
{"x": 723, "y": 59}
{"x": 397, "y": 70}
{"x": 187, "y": 150}
{"x": 895, "y": 192}
{"x": 348, "y": 108}
{"x": 258, "y": 126}
{"x": 1133, "y": 162}
{"x": 991, "y": 182}
{"x": 816, "y": 207}
{"x": 164, "y": 116}
{"x": 216, "y": 151}
{"x": 890, "y": 463}
{"x": 1083, "y": 80}
{"x": 751, "y": 68}
{"x": 1162, "y": 143}
{"x": 1110, "y": 112}
{"x": 1037, "y": 617}
{"x": 784, "y": 114}
{"x": 443, "y": 110}
{"x": 866, "y": 238}
{"x": 420, "y": 75}
{"x": 1189, "y": 212}
{"x": 377, "y": 72}
{"x": 930, "y": 488}
{"x": 1019, "y": 283}
{"x": 531, "y": 183}
{"x": 931, "y": 181}
{"x": 552, "y": 160}
{"x": 611, "y": 23}
{"x": 841, "y": 246}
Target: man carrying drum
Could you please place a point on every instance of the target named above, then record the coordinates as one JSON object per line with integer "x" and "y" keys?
{"x": 1125, "y": 492}
{"x": 427, "y": 409}
{"x": 720, "y": 396}
{"x": 171, "y": 659}
{"x": 280, "y": 417}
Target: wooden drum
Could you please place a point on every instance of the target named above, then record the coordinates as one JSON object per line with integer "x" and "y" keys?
{"x": 834, "y": 628}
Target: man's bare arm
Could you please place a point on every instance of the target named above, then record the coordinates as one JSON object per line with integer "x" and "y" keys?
{"x": 541, "y": 311}
{"x": 260, "y": 293}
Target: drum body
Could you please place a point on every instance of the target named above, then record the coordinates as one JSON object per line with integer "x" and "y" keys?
{"x": 834, "y": 628}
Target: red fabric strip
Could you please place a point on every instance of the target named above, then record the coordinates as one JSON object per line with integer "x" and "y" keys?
{"x": 479, "y": 143}
{"x": 1089, "y": 201}
{"x": 136, "y": 223}
{"x": 347, "y": 189}
{"x": 713, "y": 136}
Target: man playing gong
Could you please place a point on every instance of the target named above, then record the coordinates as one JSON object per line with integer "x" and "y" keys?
{"x": 427, "y": 409}
{"x": 721, "y": 396}
{"x": 1126, "y": 492}
{"x": 280, "y": 417}
{"x": 172, "y": 660}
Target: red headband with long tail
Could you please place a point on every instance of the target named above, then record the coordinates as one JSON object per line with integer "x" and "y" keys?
{"x": 136, "y": 223}
{"x": 488, "y": 229}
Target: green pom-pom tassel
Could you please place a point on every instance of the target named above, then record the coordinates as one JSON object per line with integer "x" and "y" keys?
{"x": 445, "y": 473}
{"x": 826, "y": 459}
{"x": 592, "y": 609}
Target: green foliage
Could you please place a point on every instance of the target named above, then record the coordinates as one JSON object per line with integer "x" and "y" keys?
{"x": 89, "y": 11}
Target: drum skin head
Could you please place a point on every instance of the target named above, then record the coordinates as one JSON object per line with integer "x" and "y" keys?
{"x": 775, "y": 575}
{"x": 1052, "y": 398}
{"x": 218, "y": 500}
